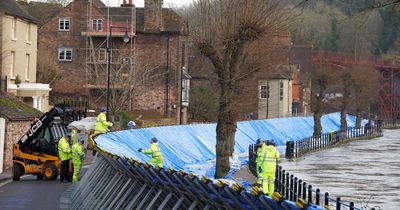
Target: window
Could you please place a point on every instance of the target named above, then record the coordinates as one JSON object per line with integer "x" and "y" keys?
{"x": 65, "y": 54}
{"x": 14, "y": 29}
{"x": 28, "y": 59}
{"x": 264, "y": 92}
{"x": 102, "y": 55}
{"x": 12, "y": 66}
{"x": 28, "y": 33}
{"x": 64, "y": 24}
{"x": 281, "y": 90}
{"x": 97, "y": 24}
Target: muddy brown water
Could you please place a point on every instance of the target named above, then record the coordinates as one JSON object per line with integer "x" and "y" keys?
{"x": 366, "y": 172}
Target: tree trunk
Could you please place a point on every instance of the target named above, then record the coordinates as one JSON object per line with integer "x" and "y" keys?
{"x": 358, "y": 119}
{"x": 343, "y": 110}
{"x": 317, "y": 124}
{"x": 318, "y": 110}
{"x": 226, "y": 129}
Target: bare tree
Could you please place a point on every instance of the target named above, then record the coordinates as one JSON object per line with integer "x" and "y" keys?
{"x": 46, "y": 71}
{"x": 323, "y": 76}
{"x": 129, "y": 76}
{"x": 226, "y": 32}
{"x": 365, "y": 83}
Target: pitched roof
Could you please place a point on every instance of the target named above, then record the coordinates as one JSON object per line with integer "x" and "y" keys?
{"x": 280, "y": 72}
{"x": 171, "y": 21}
{"x": 42, "y": 11}
{"x": 14, "y": 109}
{"x": 11, "y": 7}
{"x": 118, "y": 14}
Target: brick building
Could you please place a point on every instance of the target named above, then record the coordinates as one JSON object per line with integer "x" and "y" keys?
{"x": 147, "y": 48}
{"x": 15, "y": 119}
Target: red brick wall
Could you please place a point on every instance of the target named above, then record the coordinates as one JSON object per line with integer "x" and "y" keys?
{"x": 151, "y": 48}
{"x": 50, "y": 39}
{"x": 152, "y": 15}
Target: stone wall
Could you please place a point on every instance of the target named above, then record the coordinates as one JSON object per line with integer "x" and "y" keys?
{"x": 14, "y": 131}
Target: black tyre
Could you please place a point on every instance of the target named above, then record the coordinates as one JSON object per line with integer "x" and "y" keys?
{"x": 39, "y": 177}
{"x": 50, "y": 171}
{"x": 18, "y": 171}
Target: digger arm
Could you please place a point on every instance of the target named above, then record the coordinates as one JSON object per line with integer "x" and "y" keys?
{"x": 39, "y": 125}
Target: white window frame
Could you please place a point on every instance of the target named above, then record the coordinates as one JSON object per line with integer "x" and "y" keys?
{"x": 27, "y": 67}
{"x": 97, "y": 24}
{"x": 264, "y": 92}
{"x": 14, "y": 29}
{"x": 28, "y": 33}
{"x": 62, "y": 53}
{"x": 12, "y": 65}
{"x": 64, "y": 20}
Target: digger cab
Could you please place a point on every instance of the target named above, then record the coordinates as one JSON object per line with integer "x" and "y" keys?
{"x": 40, "y": 157}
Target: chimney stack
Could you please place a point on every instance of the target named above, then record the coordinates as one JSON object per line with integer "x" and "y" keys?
{"x": 127, "y": 4}
{"x": 153, "y": 15}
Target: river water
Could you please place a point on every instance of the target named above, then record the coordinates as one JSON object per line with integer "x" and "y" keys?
{"x": 366, "y": 172}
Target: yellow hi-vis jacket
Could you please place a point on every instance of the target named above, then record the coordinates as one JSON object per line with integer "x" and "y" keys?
{"x": 156, "y": 155}
{"x": 77, "y": 153}
{"x": 101, "y": 123}
{"x": 268, "y": 159}
{"x": 260, "y": 154}
{"x": 64, "y": 150}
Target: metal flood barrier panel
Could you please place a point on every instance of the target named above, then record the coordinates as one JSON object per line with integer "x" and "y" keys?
{"x": 113, "y": 182}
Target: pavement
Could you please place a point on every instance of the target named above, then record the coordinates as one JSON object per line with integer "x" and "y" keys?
{"x": 6, "y": 176}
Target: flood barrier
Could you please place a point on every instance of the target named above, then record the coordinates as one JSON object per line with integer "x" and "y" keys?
{"x": 119, "y": 178}
{"x": 113, "y": 182}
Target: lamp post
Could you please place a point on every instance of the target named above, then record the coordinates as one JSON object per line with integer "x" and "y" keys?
{"x": 109, "y": 49}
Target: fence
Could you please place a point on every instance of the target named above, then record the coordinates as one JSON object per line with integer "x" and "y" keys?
{"x": 388, "y": 123}
{"x": 292, "y": 188}
{"x": 73, "y": 110}
{"x": 314, "y": 143}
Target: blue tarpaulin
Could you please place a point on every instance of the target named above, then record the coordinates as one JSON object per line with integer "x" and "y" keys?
{"x": 192, "y": 147}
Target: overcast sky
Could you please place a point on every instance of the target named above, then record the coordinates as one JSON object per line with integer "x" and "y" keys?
{"x": 139, "y": 3}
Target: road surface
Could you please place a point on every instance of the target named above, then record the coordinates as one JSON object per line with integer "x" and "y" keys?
{"x": 32, "y": 194}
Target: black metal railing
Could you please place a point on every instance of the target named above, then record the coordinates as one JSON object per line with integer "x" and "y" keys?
{"x": 295, "y": 149}
{"x": 293, "y": 188}
{"x": 388, "y": 123}
{"x": 73, "y": 110}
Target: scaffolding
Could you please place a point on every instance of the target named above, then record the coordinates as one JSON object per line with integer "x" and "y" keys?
{"x": 103, "y": 29}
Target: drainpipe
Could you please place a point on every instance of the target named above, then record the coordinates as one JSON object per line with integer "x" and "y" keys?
{"x": 167, "y": 80}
